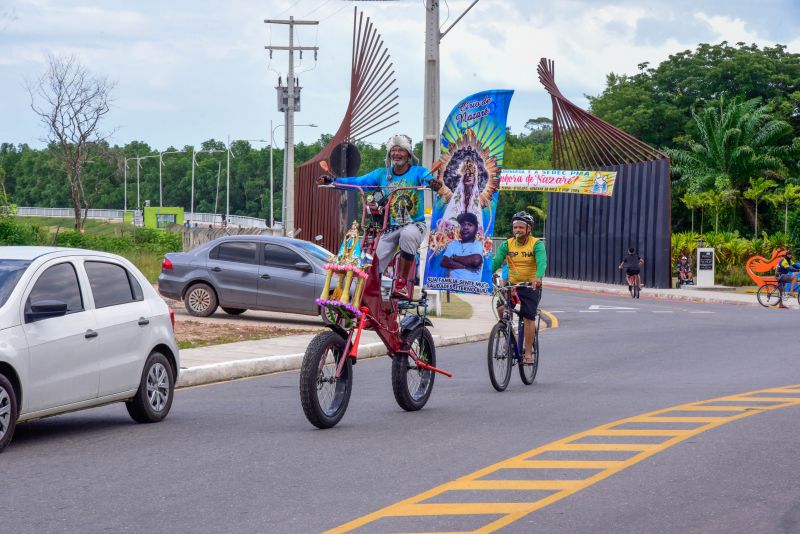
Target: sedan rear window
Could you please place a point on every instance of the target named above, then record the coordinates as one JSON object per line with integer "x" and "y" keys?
{"x": 10, "y": 273}
{"x": 238, "y": 251}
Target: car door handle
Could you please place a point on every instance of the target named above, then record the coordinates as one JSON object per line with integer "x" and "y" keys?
{"x": 143, "y": 321}
{"x": 216, "y": 269}
{"x": 90, "y": 334}
{"x": 265, "y": 276}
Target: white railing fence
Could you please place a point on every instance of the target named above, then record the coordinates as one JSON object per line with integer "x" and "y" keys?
{"x": 116, "y": 215}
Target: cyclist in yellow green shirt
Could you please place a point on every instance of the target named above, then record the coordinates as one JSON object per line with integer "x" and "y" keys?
{"x": 527, "y": 262}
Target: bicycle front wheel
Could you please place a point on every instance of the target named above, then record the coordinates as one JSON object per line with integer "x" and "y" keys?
{"x": 412, "y": 384}
{"x": 324, "y": 396}
{"x": 499, "y": 357}
{"x": 527, "y": 371}
{"x": 769, "y": 295}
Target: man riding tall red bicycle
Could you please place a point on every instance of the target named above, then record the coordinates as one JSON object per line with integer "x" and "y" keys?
{"x": 406, "y": 210}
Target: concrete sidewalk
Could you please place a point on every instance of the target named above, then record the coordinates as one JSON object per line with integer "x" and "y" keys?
{"x": 218, "y": 363}
{"x": 689, "y": 293}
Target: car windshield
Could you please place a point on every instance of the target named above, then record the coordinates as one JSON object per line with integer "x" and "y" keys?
{"x": 315, "y": 250}
{"x": 10, "y": 272}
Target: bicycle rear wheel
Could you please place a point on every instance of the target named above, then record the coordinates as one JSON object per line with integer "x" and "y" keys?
{"x": 769, "y": 295}
{"x": 499, "y": 357}
{"x": 527, "y": 371}
{"x": 411, "y": 384}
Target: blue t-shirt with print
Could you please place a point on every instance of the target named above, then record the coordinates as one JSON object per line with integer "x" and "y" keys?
{"x": 407, "y": 206}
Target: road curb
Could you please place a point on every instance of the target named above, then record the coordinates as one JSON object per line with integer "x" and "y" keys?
{"x": 236, "y": 369}
{"x": 653, "y": 293}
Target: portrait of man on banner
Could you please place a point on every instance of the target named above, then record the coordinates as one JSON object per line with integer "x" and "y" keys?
{"x": 462, "y": 223}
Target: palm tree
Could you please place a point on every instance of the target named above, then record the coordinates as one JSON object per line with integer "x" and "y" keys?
{"x": 693, "y": 201}
{"x": 736, "y": 140}
{"x": 540, "y": 213}
{"x": 718, "y": 200}
{"x": 759, "y": 188}
{"x": 790, "y": 194}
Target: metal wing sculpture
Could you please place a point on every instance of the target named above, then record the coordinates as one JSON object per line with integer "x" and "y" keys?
{"x": 583, "y": 141}
{"x": 371, "y": 109}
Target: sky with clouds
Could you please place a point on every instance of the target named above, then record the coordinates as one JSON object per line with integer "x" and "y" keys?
{"x": 190, "y": 70}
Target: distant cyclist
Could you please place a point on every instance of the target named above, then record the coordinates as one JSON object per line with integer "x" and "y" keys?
{"x": 527, "y": 262}
{"x": 786, "y": 273}
{"x": 632, "y": 264}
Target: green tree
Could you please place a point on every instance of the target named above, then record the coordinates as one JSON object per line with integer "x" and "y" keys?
{"x": 759, "y": 188}
{"x": 720, "y": 199}
{"x": 655, "y": 104}
{"x": 736, "y": 141}
{"x": 693, "y": 201}
{"x": 787, "y": 196}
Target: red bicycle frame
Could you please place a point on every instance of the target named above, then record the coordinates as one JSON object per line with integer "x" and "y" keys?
{"x": 378, "y": 315}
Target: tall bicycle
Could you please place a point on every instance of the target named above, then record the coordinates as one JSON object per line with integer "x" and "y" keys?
{"x": 352, "y": 301}
{"x": 505, "y": 347}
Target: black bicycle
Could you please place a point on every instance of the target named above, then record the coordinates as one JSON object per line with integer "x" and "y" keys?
{"x": 505, "y": 347}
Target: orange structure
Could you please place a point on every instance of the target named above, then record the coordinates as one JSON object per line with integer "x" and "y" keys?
{"x": 759, "y": 264}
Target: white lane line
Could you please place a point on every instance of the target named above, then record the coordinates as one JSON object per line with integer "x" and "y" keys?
{"x": 588, "y": 311}
{"x": 663, "y": 311}
{"x": 626, "y": 311}
{"x": 701, "y": 312}
{"x": 556, "y": 311}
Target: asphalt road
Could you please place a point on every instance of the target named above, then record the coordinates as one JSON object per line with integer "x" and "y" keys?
{"x": 240, "y": 456}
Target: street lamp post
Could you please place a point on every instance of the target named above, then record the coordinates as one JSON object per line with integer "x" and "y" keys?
{"x": 138, "y": 166}
{"x": 194, "y": 163}
{"x": 160, "y": 165}
{"x": 125, "y": 185}
{"x": 271, "y": 184}
{"x": 228, "y": 174}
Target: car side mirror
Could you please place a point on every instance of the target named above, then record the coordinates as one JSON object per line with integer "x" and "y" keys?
{"x": 45, "y": 309}
{"x": 303, "y": 266}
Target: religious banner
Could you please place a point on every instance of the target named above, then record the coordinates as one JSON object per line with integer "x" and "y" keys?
{"x": 460, "y": 245}
{"x": 599, "y": 183}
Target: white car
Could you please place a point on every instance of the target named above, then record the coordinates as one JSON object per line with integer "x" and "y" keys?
{"x": 80, "y": 328}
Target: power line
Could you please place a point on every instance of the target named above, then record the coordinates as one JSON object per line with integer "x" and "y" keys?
{"x": 317, "y": 8}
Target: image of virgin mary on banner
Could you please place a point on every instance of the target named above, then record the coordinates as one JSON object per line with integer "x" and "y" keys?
{"x": 460, "y": 245}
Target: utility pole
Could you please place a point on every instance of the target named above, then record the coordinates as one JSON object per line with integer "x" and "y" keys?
{"x": 288, "y": 192}
{"x": 228, "y": 183}
{"x": 431, "y": 129}
{"x": 430, "y": 101}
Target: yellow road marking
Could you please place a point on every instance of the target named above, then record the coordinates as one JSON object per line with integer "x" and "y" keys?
{"x": 553, "y": 318}
{"x": 513, "y": 511}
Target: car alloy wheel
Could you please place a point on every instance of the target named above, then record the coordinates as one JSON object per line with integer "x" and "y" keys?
{"x": 158, "y": 387}
{"x": 199, "y": 299}
{"x": 5, "y": 412}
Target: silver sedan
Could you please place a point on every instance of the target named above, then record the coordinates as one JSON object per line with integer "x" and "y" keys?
{"x": 247, "y": 272}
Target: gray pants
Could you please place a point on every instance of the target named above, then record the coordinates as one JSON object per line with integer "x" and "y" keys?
{"x": 408, "y": 238}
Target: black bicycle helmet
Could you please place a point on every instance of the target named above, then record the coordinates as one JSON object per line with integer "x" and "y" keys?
{"x": 523, "y": 216}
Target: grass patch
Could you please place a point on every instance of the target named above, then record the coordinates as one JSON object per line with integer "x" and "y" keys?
{"x": 194, "y": 334}
{"x": 457, "y": 308}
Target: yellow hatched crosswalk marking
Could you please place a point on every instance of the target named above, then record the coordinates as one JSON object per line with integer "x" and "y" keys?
{"x": 514, "y": 484}
{"x": 639, "y": 432}
{"x": 605, "y": 447}
{"x": 608, "y": 435}
{"x": 560, "y": 464}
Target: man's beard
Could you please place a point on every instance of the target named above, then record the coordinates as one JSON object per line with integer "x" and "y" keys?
{"x": 399, "y": 163}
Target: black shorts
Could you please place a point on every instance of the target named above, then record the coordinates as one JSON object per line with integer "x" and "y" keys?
{"x": 784, "y": 278}
{"x": 529, "y": 301}
{"x": 632, "y": 272}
